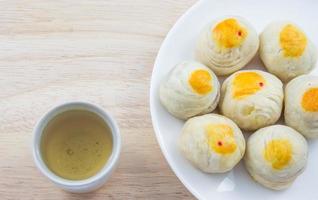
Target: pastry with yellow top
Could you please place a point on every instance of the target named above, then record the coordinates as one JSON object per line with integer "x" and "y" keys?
{"x": 190, "y": 89}
{"x": 301, "y": 105}
{"x": 275, "y": 156}
{"x": 286, "y": 50}
{"x": 227, "y": 45}
{"x": 213, "y": 143}
{"x": 252, "y": 99}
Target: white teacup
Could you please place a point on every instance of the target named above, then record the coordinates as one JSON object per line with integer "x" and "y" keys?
{"x": 89, "y": 184}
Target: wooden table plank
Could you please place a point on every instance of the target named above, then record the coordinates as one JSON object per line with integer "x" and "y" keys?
{"x": 100, "y": 51}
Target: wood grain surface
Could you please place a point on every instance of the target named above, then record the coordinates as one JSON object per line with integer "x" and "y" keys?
{"x": 99, "y": 51}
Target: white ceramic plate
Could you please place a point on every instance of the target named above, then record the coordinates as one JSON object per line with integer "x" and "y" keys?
{"x": 178, "y": 46}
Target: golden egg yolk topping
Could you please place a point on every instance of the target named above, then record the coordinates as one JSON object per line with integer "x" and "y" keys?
{"x": 247, "y": 83}
{"x": 229, "y": 33}
{"x": 278, "y": 152}
{"x": 293, "y": 41}
{"x": 309, "y": 101}
{"x": 221, "y": 138}
{"x": 201, "y": 81}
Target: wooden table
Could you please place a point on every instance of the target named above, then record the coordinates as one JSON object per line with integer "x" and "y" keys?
{"x": 99, "y": 51}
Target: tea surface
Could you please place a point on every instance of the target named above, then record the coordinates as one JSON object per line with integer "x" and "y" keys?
{"x": 76, "y": 144}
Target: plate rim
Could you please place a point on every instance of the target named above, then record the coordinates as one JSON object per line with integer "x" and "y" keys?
{"x": 171, "y": 164}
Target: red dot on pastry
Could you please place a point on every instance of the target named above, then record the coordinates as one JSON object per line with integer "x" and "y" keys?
{"x": 239, "y": 33}
{"x": 261, "y": 84}
{"x": 219, "y": 143}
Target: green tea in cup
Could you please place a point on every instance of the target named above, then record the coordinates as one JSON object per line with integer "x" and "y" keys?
{"x": 76, "y": 144}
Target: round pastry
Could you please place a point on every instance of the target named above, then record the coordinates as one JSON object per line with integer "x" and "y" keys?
{"x": 213, "y": 143}
{"x": 227, "y": 45}
{"x": 301, "y": 105}
{"x": 275, "y": 156}
{"x": 252, "y": 99}
{"x": 286, "y": 51}
{"x": 190, "y": 89}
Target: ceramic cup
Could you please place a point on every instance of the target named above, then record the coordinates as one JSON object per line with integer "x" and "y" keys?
{"x": 94, "y": 182}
